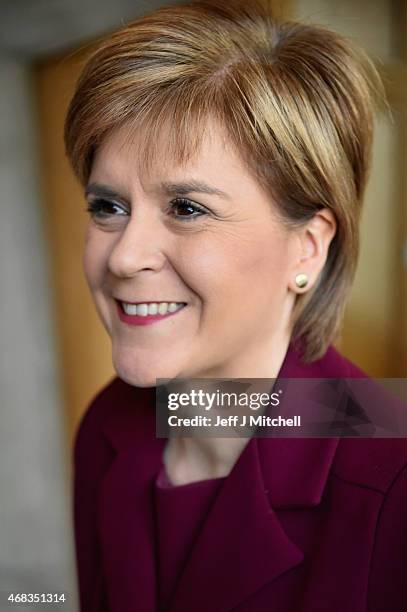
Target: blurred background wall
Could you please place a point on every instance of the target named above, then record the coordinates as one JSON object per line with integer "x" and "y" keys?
{"x": 55, "y": 353}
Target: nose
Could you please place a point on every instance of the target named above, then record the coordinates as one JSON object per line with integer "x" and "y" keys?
{"x": 137, "y": 249}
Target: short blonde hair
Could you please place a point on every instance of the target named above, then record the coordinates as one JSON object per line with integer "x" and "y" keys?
{"x": 296, "y": 100}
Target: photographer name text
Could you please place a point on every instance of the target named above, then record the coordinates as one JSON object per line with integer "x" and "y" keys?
{"x": 234, "y": 421}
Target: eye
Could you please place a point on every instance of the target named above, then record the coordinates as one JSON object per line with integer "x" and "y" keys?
{"x": 101, "y": 209}
{"x": 184, "y": 209}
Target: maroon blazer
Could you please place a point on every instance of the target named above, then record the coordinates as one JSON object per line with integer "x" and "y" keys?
{"x": 300, "y": 525}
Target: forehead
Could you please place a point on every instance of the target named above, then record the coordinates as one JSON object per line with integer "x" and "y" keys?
{"x": 128, "y": 153}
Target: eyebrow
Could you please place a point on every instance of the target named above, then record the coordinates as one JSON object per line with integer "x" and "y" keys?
{"x": 192, "y": 187}
{"x": 103, "y": 191}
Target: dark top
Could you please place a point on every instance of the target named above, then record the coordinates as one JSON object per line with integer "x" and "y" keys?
{"x": 299, "y": 525}
{"x": 180, "y": 513}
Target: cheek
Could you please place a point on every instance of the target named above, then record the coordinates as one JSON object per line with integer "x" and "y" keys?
{"x": 236, "y": 266}
{"x": 95, "y": 257}
{"x": 268, "y": 260}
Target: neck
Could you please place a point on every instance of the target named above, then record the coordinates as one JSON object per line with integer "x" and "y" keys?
{"x": 199, "y": 458}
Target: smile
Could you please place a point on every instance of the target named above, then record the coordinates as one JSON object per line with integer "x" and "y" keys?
{"x": 146, "y": 313}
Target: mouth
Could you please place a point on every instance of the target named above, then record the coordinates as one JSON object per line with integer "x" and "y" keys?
{"x": 145, "y": 313}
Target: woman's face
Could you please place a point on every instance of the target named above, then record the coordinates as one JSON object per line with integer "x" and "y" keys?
{"x": 203, "y": 237}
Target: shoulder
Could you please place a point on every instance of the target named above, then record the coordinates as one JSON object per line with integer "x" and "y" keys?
{"x": 333, "y": 365}
{"x": 101, "y": 405}
{"x": 117, "y": 411}
{"x": 96, "y": 414}
{"x": 373, "y": 463}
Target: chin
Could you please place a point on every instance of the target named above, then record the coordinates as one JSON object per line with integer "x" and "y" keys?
{"x": 139, "y": 373}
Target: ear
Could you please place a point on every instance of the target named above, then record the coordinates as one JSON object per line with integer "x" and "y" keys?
{"x": 314, "y": 239}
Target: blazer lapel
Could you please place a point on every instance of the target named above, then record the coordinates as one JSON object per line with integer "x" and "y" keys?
{"x": 241, "y": 547}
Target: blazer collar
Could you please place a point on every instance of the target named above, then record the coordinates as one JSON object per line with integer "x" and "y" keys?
{"x": 295, "y": 470}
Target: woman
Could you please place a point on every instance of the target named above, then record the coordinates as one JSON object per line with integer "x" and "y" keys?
{"x": 224, "y": 156}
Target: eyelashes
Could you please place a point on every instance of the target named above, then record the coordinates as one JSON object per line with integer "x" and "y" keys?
{"x": 181, "y": 209}
{"x": 190, "y": 210}
{"x": 104, "y": 209}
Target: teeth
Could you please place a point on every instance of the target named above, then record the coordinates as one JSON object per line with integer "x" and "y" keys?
{"x": 152, "y": 309}
{"x": 142, "y": 310}
{"x": 162, "y": 308}
{"x": 130, "y": 309}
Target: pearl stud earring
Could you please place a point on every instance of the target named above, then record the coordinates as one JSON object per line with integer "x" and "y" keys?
{"x": 301, "y": 280}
